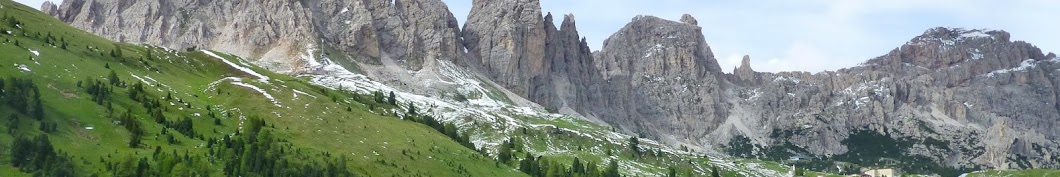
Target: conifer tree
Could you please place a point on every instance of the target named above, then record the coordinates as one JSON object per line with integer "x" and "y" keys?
{"x": 392, "y": 100}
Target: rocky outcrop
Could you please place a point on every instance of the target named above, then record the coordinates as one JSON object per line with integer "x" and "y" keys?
{"x": 969, "y": 98}
{"x": 49, "y": 8}
{"x": 286, "y": 35}
{"x": 572, "y": 69}
{"x": 512, "y": 44}
{"x": 743, "y": 74}
{"x": 506, "y": 39}
{"x": 659, "y": 78}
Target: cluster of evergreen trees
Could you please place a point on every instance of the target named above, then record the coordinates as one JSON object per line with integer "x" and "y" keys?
{"x": 39, "y": 157}
{"x": 256, "y": 152}
{"x": 545, "y": 167}
{"x": 100, "y": 92}
{"x": 448, "y": 129}
{"x": 35, "y": 155}
{"x": 22, "y": 95}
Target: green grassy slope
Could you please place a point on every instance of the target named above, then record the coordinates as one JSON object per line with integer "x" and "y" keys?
{"x": 308, "y": 125}
{"x": 1015, "y": 173}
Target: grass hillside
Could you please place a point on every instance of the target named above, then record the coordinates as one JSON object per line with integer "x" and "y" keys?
{"x": 1014, "y": 173}
{"x": 75, "y": 104}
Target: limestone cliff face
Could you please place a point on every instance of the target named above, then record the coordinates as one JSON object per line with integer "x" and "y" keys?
{"x": 659, "y": 78}
{"x": 972, "y": 98}
{"x": 515, "y": 46}
{"x": 283, "y": 35}
{"x": 506, "y": 39}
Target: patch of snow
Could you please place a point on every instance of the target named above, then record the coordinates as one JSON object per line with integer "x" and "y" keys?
{"x": 344, "y": 10}
{"x": 261, "y": 77}
{"x": 308, "y": 55}
{"x": 651, "y": 51}
{"x": 976, "y": 55}
{"x": 19, "y": 26}
{"x": 141, "y": 79}
{"x": 262, "y": 91}
{"x": 977, "y": 33}
{"x": 963, "y": 34}
{"x": 1026, "y": 64}
{"x": 482, "y": 108}
{"x": 754, "y": 94}
{"x": 36, "y": 53}
{"x": 213, "y": 84}
{"x": 782, "y": 78}
{"x": 296, "y": 91}
{"x": 23, "y": 67}
{"x": 974, "y": 172}
{"x": 875, "y": 88}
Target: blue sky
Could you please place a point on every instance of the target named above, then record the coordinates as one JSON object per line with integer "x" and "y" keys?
{"x": 807, "y": 35}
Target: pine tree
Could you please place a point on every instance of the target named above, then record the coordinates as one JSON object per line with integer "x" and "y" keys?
{"x": 379, "y": 98}
{"x": 392, "y": 100}
{"x": 634, "y": 146}
{"x": 504, "y": 152}
{"x": 113, "y": 78}
{"x": 576, "y": 167}
{"x": 37, "y": 107}
{"x": 412, "y": 109}
{"x": 612, "y": 169}
{"x": 528, "y": 165}
{"x": 714, "y": 172}
{"x": 12, "y": 124}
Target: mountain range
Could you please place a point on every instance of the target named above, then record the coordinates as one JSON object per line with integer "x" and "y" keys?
{"x": 950, "y": 99}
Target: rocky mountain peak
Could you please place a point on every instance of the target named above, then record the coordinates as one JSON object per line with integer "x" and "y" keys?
{"x": 284, "y": 36}
{"x": 548, "y": 18}
{"x": 648, "y": 63}
{"x": 686, "y": 18}
{"x": 943, "y": 47}
{"x": 568, "y": 23}
{"x": 745, "y": 64}
{"x": 506, "y": 41}
{"x": 49, "y": 8}
{"x": 743, "y": 74}
{"x": 962, "y": 33}
{"x": 659, "y": 46}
